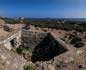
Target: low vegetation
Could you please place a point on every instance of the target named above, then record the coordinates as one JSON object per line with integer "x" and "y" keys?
{"x": 27, "y": 67}
{"x": 26, "y": 52}
{"x": 51, "y": 23}
{"x": 6, "y": 28}
{"x": 57, "y": 24}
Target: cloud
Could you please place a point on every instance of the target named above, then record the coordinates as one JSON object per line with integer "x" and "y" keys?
{"x": 78, "y": 13}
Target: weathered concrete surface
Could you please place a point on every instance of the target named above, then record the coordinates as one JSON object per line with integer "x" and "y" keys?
{"x": 9, "y": 59}
{"x": 56, "y": 37}
{"x": 32, "y": 39}
{"x": 16, "y": 36}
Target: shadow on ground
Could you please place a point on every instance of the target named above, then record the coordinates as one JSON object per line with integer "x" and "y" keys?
{"x": 47, "y": 49}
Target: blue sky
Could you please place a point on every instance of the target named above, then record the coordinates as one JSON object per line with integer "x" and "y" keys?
{"x": 43, "y": 8}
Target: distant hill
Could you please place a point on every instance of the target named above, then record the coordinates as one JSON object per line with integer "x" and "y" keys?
{"x": 75, "y": 19}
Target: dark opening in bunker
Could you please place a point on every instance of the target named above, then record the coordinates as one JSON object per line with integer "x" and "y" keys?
{"x": 12, "y": 42}
{"x": 47, "y": 49}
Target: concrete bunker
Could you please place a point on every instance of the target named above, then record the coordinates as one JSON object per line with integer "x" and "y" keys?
{"x": 47, "y": 49}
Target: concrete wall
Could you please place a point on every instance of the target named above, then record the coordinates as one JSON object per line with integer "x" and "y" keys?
{"x": 9, "y": 59}
{"x": 6, "y": 42}
{"x": 32, "y": 39}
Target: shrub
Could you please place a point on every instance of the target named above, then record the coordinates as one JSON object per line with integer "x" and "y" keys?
{"x": 19, "y": 50}
{"x": 27, "y": 67}
{"x": 75, "y": 40}
{"x": 79, "y": 44}
{"x": 6, "y": 28}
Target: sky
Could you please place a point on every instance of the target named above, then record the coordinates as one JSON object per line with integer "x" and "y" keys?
{"x": 43, "y": 8}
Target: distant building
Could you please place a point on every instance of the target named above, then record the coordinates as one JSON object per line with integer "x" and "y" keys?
{"x": 21, "y": 19}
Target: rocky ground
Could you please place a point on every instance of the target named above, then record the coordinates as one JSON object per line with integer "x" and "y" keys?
{"x": 77, "y": 39}
{"x": 73, "y": 59}
{"x": 3, "y": 33}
